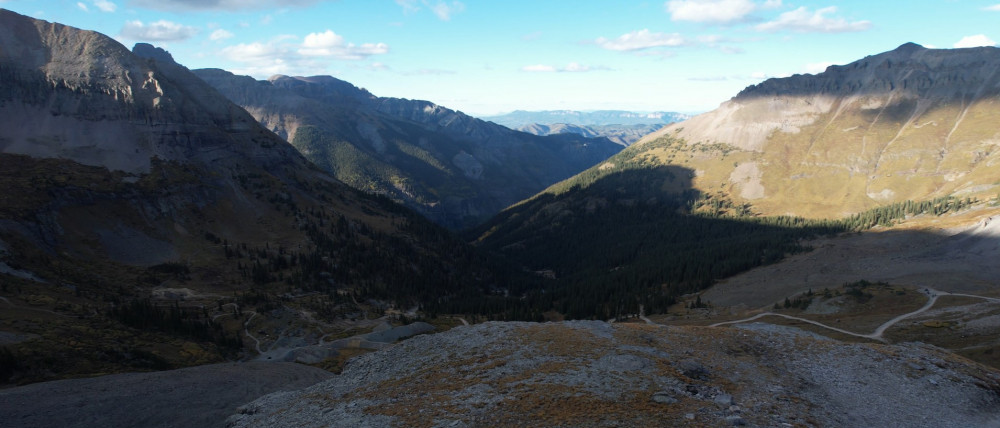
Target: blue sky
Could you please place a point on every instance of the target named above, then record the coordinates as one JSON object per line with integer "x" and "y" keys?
{"x": 490, "y": 56}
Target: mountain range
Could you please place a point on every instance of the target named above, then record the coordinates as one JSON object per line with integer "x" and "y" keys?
{"x": 519, "y": 118}
{"x": 153, "y": 218}
{"x": 620, "y": 134}
{"x": 450, "y": 167}
{"x": 908, "y": 124}
{"x": 622, "y": 127}
{"x": 889, "y": 137}
{"x": 128, "y": 181}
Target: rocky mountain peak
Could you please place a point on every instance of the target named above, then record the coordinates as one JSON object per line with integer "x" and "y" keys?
{"x": 910, "y": 69}
{"x": 324, "y": 88}
{"x": 908, "y": 48}
{"x": 107, "y": 106}
{"x": 146, "y": 50}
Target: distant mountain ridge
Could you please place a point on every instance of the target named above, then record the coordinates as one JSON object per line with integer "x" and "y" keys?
{"x": 620, "y": 134}
{"x": 454, "y": 169}
{"x": 519, "y": 118}
{"x": 619, "y": 126}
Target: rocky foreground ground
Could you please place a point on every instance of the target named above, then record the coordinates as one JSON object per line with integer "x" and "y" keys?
{"x": 193, "y": 397}
{"x": 597, "y": 374}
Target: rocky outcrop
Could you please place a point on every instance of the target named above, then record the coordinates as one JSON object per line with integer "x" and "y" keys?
{"x": 592, "y": 374}
{"x": 453, "y": 168}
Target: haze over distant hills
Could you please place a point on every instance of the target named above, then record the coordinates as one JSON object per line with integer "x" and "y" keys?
{"x": 622, "y": 127}
{"x": 452, "y": 168}
{"x": 519, "y": 118}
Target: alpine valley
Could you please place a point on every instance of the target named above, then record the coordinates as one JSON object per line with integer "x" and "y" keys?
{"x": 454, "y": 169}
{"x": 199, "y": 248}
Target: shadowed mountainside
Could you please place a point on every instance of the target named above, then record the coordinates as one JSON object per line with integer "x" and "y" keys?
{"x": 145, "y": 219}
{"x": 454, "y": 169}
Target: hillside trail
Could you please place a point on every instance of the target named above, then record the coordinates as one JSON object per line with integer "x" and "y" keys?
{"x": 931, "y": 293}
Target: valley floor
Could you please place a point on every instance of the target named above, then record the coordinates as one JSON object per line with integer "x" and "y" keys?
{"x": 942, "y": 253}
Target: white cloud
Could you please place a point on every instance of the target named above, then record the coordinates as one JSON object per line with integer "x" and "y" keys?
{"x": 409, "y": 6}
{"x": 580, "y": 68}
{"x": 105, "y": 5}
{"x": 803, "y": 21}
{"x": 975, "y": 41}
{"x": 225, "y": 5}
{"x": 246, "y": 52}
{"x": 260, "y": 59}
{"x": 332, "y": 44}
{"x": 994, "y": 8}
{"x": 159, "y": 31}
{"x": 441, "y": 8}
{"x": 539, "y": 68}
{"x": 444, "y": 10}
{"x": 711, "y": 11}
{"x": 572, "y": 67}
{"x": 220, "y": 34}
{"x": 82, "y": 6}
{"x": 642, "y": 39}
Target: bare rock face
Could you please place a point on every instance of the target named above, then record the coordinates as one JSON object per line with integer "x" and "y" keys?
{"x": 82, "y": 96}
{"x": 146, "y": 50}
{"x": 593, "y": 374}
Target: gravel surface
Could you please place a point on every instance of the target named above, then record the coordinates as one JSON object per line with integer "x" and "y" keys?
{"x": 597, "y": 374}
{"x": 194, "y": 397}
